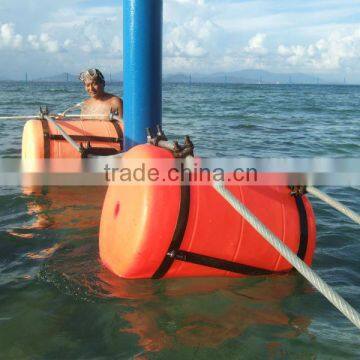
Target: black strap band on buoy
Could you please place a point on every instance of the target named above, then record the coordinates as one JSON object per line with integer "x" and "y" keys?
{"x": 86, "y": 138}
{"x": 174, "y": 253}
{"x": 119, "y": 133}
{"x": 178, "y": 233}
{"x": 219, "y": 264}
{"x": 83, "y": 138}
{"x": 234, "y": 267}
{"x": 101, "y": 151}
{"x": 46, "y": 133}
{"x": 304, "y": 232}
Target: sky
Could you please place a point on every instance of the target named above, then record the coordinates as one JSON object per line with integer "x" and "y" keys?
{"x": 47, "y": 37}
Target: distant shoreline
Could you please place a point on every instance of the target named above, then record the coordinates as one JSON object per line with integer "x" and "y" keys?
{"x": 246, "y": 76}
{"x": 181, "y": 83}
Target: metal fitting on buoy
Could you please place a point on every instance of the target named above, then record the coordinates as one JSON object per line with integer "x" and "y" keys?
{"x": 297, "y": 190}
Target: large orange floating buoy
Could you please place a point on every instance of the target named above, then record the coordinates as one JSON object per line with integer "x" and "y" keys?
{"x": 181, "y": 230}
{"x": 42, "y": 140}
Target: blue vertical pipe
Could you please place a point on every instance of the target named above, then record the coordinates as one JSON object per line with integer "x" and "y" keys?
{"x": 142, "y": 68}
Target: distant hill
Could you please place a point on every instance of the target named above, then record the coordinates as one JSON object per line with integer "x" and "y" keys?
{"x": 236, "y": 77}
{"x": 282, "y": 78}
{"x": 64, "y": 77}
{"x": 246, "y": 77}
{"x": 67, "y": 77}
{"x": 177, "y": 78}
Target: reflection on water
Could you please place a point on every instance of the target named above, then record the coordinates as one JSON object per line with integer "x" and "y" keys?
{"x": 163, "y": 315}
{"x": 182, "y": 313}
{"x": 43, "y": 254}
{"x": 62, "y": 208}
{"x": 188, "y": 316}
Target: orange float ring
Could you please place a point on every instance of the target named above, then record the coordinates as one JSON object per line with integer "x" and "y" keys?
{"x": 42, "y": 140}
{"x": 153, "y": 231}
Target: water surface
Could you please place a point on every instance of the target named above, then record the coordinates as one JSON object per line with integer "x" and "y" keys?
{"x": 57, "y": 301}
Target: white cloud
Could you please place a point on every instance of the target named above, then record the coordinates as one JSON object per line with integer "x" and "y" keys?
{"x": 94, "y": 31}
{"x": 256, "y": 45}
{"x": 284, "y": 51}
{"x": 199, "y": 35}
{"x": 33, "y": 41}
{"x": 68, "y": 43}
{"x": 181, "y": 11}
{"x": 194, "y": 49}
{"x": 332, "y": 53}
{"x": 116, "y": 44}
{"x": 8, "y": 37}
{"x": 294, "y": 54}
{"x": 43, "y": 42}
{"x": 189, "y": 39}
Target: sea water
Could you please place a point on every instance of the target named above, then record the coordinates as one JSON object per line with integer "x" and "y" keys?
{"x": 58, "y": 301}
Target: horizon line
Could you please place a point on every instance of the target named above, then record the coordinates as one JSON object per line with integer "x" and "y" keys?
{"x": 324, "y": 83}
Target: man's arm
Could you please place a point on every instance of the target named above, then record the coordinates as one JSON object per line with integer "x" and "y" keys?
{"x": 117, "y": 105}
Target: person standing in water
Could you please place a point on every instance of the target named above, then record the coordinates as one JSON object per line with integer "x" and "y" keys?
{"x": 100, "y": 102}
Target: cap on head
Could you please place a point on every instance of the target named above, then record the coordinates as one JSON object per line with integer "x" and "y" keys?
{"x": 92, "y": 75}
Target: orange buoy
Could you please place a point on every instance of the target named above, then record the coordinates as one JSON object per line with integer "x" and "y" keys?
{"x": 177, "y": 230}
{"x": 42, "y": 140}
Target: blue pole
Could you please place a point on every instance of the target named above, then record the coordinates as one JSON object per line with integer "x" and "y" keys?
{"x": 142, "y": 68}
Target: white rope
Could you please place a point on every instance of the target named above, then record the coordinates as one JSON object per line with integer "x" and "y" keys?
{"x": 333, "y": 203}
{"x": 76, "y": 106}
{"x": 61, "y": 116}
{"x": 88, "y": 117}
{"x": 343, "y": 306}
{"x": 17, "y": 117}
{"x": 73, "y": 143}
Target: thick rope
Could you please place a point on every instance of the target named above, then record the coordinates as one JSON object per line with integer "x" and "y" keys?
{"x": 334, "y": 203}
{"x": 91, "y": 116}
{"x": 74, "y": 107}
{"x": 67, "y": 117}
{"x": 60, "y": 116}
{"x": 343, "y": 306}
{"x": 17, "y": 117}
{"x": 73, "y": 143}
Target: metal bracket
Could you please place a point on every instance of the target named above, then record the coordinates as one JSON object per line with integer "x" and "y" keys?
{"x": 43, "y": 112}
{"x": 155, "y": 140}
{"x": 89, "y": 150}
{"x": 112, "y": 114}
{"x": 160, "y": 140}
{"x": 297, "y": 190}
